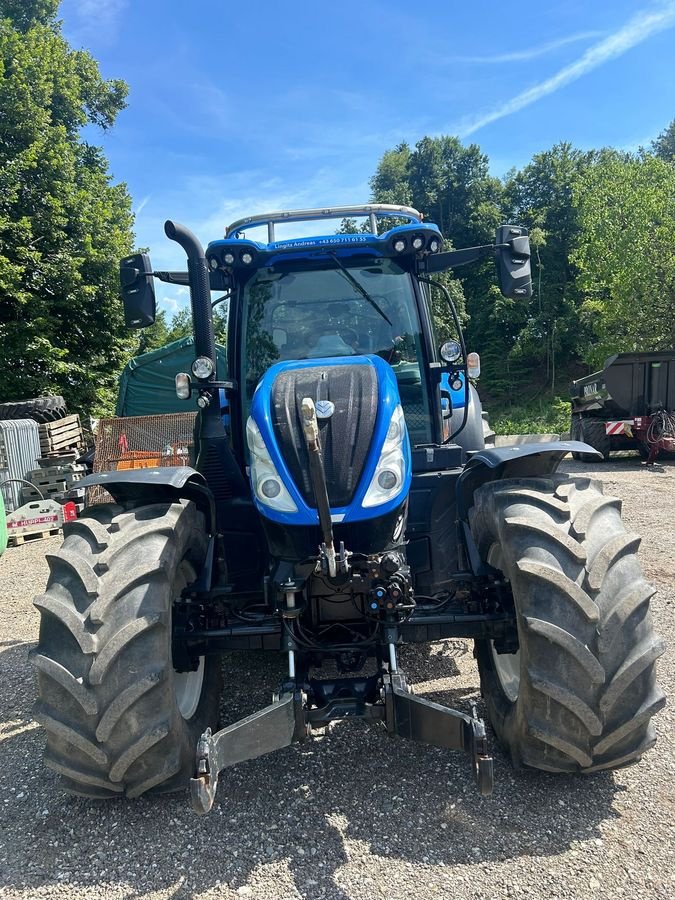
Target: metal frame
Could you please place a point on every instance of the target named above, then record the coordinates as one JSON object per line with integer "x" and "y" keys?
{"x": 289, "y": 719}
{"x": 371, "y": 210}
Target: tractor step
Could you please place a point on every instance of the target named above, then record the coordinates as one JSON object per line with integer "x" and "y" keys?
{"x": 291, "y": 716}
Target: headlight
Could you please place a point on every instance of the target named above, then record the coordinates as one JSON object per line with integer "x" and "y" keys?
{"x": 451, "y": 351}
{"x": 390, "y": 472}
{"x": 202, "y": 367}
{"x": 387, "y": 479}
{"x": 267, "y": 485}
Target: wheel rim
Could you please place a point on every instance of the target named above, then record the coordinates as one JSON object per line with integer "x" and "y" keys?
{"x": 507, "y": 667}
{"x": 187, "y": 687}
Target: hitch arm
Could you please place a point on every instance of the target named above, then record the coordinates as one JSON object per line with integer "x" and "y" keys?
{"x": 422, "y": 720}
{"x": 276, "y": 726}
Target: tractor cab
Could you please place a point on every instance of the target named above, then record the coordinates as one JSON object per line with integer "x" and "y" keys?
{"x": 336, "y": 296}
{"x": 340, "y": 322}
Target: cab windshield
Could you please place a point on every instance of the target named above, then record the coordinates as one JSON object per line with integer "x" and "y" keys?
{"x": 327, "y": 312}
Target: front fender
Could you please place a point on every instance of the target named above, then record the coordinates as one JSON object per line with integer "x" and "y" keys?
{"x": 498, "y": 463}
{"x": 520, "y": 461}
{"x": 157, "y": 484}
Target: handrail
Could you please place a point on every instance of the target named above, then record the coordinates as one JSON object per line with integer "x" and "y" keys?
{"x": 372, "y": 210}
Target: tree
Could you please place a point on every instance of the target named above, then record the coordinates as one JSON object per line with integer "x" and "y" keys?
{"x": 63, "y": 225}
{"x": 163, "y": 332}
{"x": 664, "y": 145}
{"x": 626, "y": 208}
{"x": 540, "y": 198}
{"x": 155, "y": 336}
{"x": 450, "y": 184}
{"x": 181, "y": 324}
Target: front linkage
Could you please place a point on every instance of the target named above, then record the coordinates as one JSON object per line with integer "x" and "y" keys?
{"x": 384, "y": 698}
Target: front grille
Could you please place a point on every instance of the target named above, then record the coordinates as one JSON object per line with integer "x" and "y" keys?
{"x": 345, "y": 436}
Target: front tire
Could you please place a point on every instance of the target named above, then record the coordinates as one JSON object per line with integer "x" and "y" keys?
{"x": 580, "y": 694}
{"x": 119, "y": 718}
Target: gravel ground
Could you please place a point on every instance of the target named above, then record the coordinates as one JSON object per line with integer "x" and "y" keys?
{"x": 352, "y": 815}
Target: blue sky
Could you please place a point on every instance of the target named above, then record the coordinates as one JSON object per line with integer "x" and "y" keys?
{"x": 241, "y": 108}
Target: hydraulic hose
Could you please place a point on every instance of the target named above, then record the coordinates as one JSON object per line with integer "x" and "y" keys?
{"x": 200, "y": 290}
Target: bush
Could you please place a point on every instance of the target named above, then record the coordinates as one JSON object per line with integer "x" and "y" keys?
{"x": 548, "y": 415}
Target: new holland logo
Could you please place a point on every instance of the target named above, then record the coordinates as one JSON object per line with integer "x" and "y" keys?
{"x": 324, "y": 409}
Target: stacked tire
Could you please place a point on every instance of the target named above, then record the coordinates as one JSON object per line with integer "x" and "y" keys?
{"x": 40, "y": 409}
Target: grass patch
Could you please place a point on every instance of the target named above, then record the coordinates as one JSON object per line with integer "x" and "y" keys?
{"x": 547, "y": 415}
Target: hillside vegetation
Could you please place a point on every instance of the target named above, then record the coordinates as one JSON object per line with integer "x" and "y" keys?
{"x": 602, "y": 228}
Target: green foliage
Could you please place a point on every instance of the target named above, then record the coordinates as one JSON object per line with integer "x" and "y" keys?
{"x": 164, "y": 332}
{"x": 603, "y": 251}
{"x": 664, "y": 145}
{"x": 548, "y": 415}
{"x": 626, "y": 253}
{"x": 23, "y": 14}
{"x": 450, "y": 184}
{"x": 63, "y": 225}
{"x": 549, "y": 328}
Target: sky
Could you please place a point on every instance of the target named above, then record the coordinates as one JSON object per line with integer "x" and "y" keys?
{"x": 237, "y": 109}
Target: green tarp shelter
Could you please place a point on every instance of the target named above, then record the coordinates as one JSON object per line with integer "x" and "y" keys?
{"x": 147, "y": 385}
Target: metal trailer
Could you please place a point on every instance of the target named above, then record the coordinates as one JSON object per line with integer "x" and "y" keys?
{"x": 628, "y": 405}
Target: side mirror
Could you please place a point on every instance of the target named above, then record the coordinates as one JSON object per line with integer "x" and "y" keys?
{"x": 138, "y": 291}
{"x": 513, "y": 262}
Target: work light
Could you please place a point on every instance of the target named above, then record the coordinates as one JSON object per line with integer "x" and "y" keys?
{"x": 202, "y": 367}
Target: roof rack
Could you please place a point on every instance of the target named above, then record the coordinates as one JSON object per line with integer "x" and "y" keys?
{"x": 371, "y": 210}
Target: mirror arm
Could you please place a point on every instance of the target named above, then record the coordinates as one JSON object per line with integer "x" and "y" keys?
{"x": 438, "y": 262}
{"x": 172, "y": 277}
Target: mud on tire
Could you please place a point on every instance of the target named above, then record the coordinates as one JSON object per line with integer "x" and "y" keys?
{"x": 106, "y": 684}
{"x": 585, "y": 675}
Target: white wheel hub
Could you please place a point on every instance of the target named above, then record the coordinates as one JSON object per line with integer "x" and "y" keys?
{"x": 188, "y": 689}
{"x": 507, "y": 667}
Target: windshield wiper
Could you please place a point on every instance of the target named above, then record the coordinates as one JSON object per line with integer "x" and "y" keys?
{"x": 360, "y": 288}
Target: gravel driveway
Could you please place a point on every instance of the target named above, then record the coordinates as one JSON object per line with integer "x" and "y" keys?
{"x": 352, "y": 814}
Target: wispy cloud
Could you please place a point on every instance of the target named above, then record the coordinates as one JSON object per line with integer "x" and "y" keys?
{"x": 531, "y": 52}
{"x": 138, "y": 209}
{"x": 97, "y": 20}
{"x": 171, "y": 299}
{"x": 637, "y": 30}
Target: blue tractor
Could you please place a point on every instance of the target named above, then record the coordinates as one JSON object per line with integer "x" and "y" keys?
{"x": 342, "y": 503}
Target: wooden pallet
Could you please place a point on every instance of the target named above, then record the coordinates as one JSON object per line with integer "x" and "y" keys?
{"x": 16, "y": 540}
{"x": 60, "y": 435}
